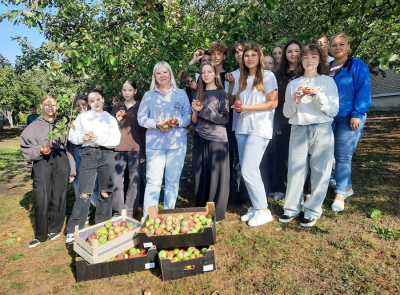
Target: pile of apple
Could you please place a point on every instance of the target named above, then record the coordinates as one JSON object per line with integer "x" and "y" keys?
{"x": 181, "y": 254}
{"x": 131, "y": 253}
{"x": 110, "y": 231}
{"x": 175, "y": 225}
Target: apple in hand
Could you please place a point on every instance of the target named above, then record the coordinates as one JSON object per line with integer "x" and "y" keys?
{"x": 198, "y": 103}
{"x": 45, "y": 150}
{"x": 306, "y": 90}
{"x": 164, "y": 125}
{"x": 90, "y": 133}
{"x": 173, "y": 121}
{"x": 122, "y": 113}
{"x": 201, "y": 52}
{"x": 238, "y": 103}
{"x": 189, "y": 80}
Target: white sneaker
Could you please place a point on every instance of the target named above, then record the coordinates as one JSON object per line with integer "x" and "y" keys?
{"x": 260, "y": 217}
{"x": 337, "y": 205}
{"x": 69, "y": 238}
{"x": 248, "y": 215}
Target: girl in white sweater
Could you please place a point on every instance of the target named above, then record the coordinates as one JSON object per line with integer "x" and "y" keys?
{"x": 98, "y": 133}
{"x": 311, "y": 102}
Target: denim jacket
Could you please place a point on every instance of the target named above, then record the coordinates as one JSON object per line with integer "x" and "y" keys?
{"x": 156, "y": 107}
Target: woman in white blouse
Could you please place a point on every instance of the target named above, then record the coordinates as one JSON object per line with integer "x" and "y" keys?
{"x": 256, "y": 100}
{"x": 311, "y": 102}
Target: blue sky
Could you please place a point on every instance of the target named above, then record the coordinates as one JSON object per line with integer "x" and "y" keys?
{"x": 10, "y": 49}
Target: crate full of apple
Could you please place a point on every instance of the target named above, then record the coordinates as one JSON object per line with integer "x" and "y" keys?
{"x": 133, "y": 260}
{"x": 179, "y": 263}
{"x": 105, "y": 240}
{"x": 180, "y": 227}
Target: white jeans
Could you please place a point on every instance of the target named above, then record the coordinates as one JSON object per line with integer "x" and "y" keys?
{"x": 172, "y": 161}
{"x": 310, "y": 145}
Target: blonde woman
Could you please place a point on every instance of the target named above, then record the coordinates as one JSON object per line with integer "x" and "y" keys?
{"x": 165, "y": 141}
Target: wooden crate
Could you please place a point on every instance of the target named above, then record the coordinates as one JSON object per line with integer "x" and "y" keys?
{"x": 176, "y": 270}
{"x": 95, "y": 253}
{"x": 207, "y": 237}
{"x": 86, "y": 272}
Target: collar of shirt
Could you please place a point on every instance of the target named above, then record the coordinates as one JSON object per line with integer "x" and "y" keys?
{"x": 169, "y": 90}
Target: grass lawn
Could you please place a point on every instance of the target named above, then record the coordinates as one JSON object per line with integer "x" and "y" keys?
{"x": 345, "y": 253}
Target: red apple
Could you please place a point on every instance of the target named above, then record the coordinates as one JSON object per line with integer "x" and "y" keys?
{"x": 165, "y": 126}
{"x": 148, "y": 292}
{"x": 115, "y": 224}
{"x": 91, "y": 237}
{"x": 201, "y": 52}
{"x": 306, "y": 90}
{"x": 121, "y": 257}
{"x": 189, "y": 80}
{"x": 158, "y": 231}
{"x": 123, "y": 223}
{"x": 122, "y": 113}
{"x": 45, "y": 149}
{"x": 173, "y": 121}
{"x": 198, "y": 103}
{"x": 238, "y": 103}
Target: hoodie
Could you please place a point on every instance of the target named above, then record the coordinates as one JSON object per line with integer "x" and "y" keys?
{"x": 33, "y": 138}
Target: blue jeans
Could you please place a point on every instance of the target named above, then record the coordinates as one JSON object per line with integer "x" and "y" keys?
{"x": 251, "y": 151}
{"x": 77, "y": 158}
{"x": 346, "y": 142}
{"x": 170, "y": 160}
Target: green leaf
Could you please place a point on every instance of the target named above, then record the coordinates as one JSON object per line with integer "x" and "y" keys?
{"x": 10, "y": 241}
{"x": 16, "y": 256}
{"x": 113, "y": 60}
{"x": 2, "y": 250}
{"x": 376, "y": 213}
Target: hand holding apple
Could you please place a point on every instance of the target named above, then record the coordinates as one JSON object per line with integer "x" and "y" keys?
{"x": 299, "y": 94}
{"x": 93, "y": 138}
{"x": 238, "y": 106}
{"x": 172, "y": 122}
{"x": 197, "y": 105}
{"x": 162, "y": 125}
{"x": 312, "y": 90}
{"x": 45, "y": 150}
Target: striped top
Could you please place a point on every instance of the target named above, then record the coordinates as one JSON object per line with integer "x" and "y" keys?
{"x": 335, "y": 68}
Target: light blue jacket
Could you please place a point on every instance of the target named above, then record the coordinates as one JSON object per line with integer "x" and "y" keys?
{"x": 156, "y": 107}
{"x": 354, "y": 86}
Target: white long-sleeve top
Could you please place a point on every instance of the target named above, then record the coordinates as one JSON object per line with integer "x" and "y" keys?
{"x": 103, "y": 125}
{"x": 320, "y": 108}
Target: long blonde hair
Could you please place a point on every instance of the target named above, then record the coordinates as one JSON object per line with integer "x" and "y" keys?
{"x": 161, "y": 64}
{"x": 258, "y": 82}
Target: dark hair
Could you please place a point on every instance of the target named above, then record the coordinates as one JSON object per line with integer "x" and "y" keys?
{"x": 237, "y": 44}
{"x": 82, "y": 97}
{"x": 202, "y": 86}
{"x": 284, "y": 69}
{"x": 32, "y": 106}
{"x": 280, "y": 46}
{"x": 258, "y": 82}
{"x": 323, "y": 66}
{"x": 138, "y": 96}
{"x": 95, "y": 90}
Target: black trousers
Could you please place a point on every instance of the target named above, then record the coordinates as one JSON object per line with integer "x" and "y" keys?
{"x": 278, "y": 154}
{"x": 210, "y": 164}
{"x": 95, "y": 162}
{"x": 50, "y": 180}
{"x": 127, "y": 162}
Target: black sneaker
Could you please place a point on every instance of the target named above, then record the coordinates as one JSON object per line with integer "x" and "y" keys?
{"x": 308, "y": 222}
{"x": 34, "y": 243}
{"x": 54, "y": 236}
{"x": 286, "y": 218}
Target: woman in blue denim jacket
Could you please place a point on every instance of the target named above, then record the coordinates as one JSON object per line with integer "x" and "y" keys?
{"x": 353, "y": 81}
{"x": 165, "y": 140}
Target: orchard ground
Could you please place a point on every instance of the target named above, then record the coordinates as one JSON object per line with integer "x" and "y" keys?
{"x": 345, "y": 253}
